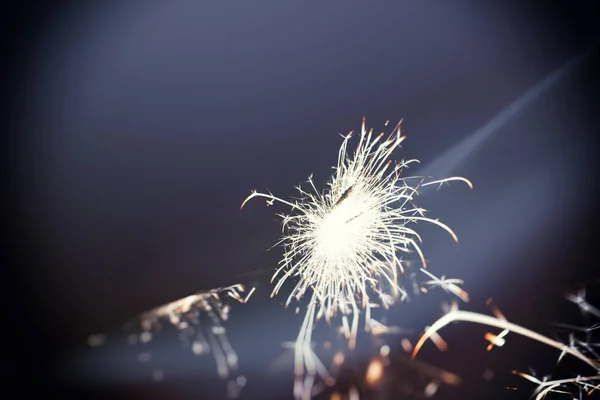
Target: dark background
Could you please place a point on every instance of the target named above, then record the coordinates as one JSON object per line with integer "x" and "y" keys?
{"x": 136, "y": 129}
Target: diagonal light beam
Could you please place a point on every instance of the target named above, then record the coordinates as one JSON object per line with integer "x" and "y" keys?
{"x": 447, "y": 163}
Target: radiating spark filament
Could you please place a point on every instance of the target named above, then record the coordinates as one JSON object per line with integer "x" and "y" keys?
{"x": 431, "y": 389}
{"x": 449, "y": 285}
{"x": 494, "y": 340}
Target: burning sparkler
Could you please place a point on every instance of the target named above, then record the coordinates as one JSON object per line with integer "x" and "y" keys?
{"x": 346, "y": 242}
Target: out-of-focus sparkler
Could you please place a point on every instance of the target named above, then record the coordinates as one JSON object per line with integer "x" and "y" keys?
{"x": 188, "y": 316}
{"x": 199, "y": 318}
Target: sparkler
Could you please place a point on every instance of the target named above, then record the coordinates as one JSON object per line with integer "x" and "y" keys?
{"x": 345, "y": 243}
{"x": 199, "y": 318}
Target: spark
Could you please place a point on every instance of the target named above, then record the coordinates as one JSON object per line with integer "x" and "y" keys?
{"x": 344, "y": 243}
{"x": 477, "y": 318}
{"x": 431, "y": 388}
{"x": 459, "y": 153}
{"x": 584, "y": 306}
{"x": 495, "y": 340}
{"x": 384, "y": 351}
{"x": 449, "y": 285}
{"x": 430, "y": 371}
{"x": 200, "y": 319}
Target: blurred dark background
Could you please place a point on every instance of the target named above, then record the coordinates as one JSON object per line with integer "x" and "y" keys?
{"x": 135, "y": 130}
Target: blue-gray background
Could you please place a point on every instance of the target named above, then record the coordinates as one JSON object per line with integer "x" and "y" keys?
{"x": 141, "y": 126}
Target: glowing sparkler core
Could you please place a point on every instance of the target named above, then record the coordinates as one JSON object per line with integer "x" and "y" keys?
{"x": 347, "y": 225}
{"x": 344, "y": 242}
